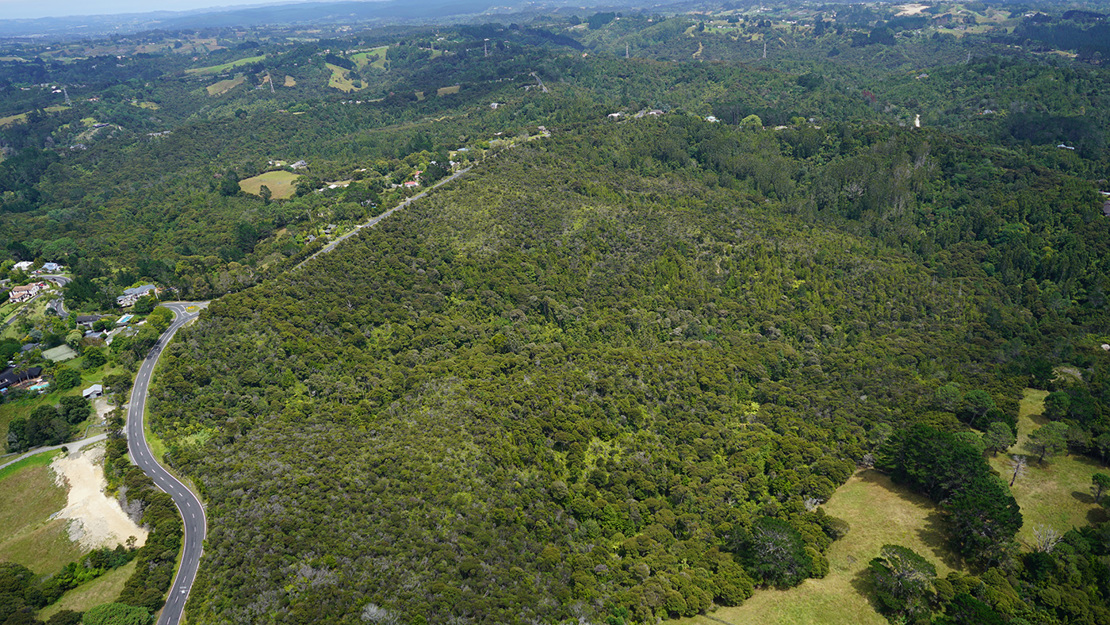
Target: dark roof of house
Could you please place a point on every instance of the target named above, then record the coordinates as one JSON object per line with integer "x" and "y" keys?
{"x": 10, "y": 376}
{"x": 87, "y": 318}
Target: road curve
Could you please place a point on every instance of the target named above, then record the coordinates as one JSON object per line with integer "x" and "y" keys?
{"x": 190, "y": 508}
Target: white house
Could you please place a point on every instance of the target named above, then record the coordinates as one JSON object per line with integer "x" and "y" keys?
{"x": 95, "y": 390}
{"x": 132, "y": 295}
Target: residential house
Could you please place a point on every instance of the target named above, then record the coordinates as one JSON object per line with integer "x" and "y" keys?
{"x": 51, "y": 267}
{"x": 23, "y": 266}
{"x": 96, "y": 390}
{"x": 24, "y": 293}
{"x": 132, "y": 295}
{"x": 87, "y": 321}
{"x": 11, "y": 377}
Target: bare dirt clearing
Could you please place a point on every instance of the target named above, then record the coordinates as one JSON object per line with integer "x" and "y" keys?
{"x": 96, "y": 520}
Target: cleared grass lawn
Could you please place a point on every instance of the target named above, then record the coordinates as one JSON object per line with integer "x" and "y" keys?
{"x": 12, "y": 119}
{"x": 282, "y": 184}
{"x": 290, "y": 81}
{"x": 879, "y": 513}
{"x": 28, "y": 496}
{"x": 1056, "y": 493}
{"x": 362, "y": 59}
{"x": 104, "y": 589}
{"x": 217, "y": 69}
{"x": 341, "y": 79}
{"x": 224, "y": 86}
{"x": 442, "y": 91}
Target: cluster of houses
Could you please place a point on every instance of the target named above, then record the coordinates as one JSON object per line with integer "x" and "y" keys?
{"x": 46, "y": 267}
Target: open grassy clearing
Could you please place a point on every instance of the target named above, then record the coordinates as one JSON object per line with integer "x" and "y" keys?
{"x": 13, "y": 119}
{"x": 282, "y": 184}
{"x": 1056, "y": 493}
{"x": 224, "y": 86}
{"x": 28, "y": 497}
{"x": 217, "y": 69}
{"x": 341, "y": 79}
{"x": 442, "y": 91}
{"x": 104, "y": 589}
{"x": 879, "y": 513}
{"x": 374, "y": 58}
{"x": 290, "y": 81}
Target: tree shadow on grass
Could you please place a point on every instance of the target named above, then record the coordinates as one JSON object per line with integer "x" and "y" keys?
{"x": 1098, "y": 515}
{"x": 935, "y": 536}
{"x": 1084, "y": 498}
{"x": 861, "y": 583}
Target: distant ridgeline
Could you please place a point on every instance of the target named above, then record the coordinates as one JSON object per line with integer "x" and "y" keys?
{"x": 613, "y": 371}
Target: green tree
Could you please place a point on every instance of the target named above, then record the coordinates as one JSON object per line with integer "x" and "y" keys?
{"x": 948, "y": 397}
{"x": 903, "y": 583}
{"x": 775, "y": 553}
{"x": 998, "y": 437}
{"x": 1047, "y": 440}
{"x": 66, "y": 378}
{"x": 1056, "y": 405}
{"x": 751, "y": 121}
{"x": 75, "y": 409}
{"x": 160, "y": 319}
{"x": 1100, "y": 483}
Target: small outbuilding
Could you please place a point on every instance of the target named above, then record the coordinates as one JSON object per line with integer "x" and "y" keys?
{"x": 96, "y": 390}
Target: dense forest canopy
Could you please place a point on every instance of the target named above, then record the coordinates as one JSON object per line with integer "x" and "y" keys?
{"x": 700, "y": 268}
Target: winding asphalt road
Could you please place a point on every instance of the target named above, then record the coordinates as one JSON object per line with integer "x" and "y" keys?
{"x": 190, "y": 508}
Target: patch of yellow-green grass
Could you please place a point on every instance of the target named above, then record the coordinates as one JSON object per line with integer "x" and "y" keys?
{"x": 104, "y": 589}
{"x": 153, "y": 106}
{"x": 13, "y": 58}
{"x": 290, "y": 81}
{"x": 13, "y": 119}
{"x": 282, "y": 184}
{"x": 878, "y": 513}
{"x": 1055, "y": 493}
{"x": 57, "y": 108}
{"x": 374, "y": 58}
{"x": 419, "y": 96}
{"x": 442, "y": 91}
{"x": 28, "y": 497}
{"x": 341, "y": 79}
{"x": 224, "y": 86}
{"x": 219, "y": 69}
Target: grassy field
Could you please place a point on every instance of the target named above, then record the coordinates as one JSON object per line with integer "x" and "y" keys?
{"x": 1057, "y": 493}
{"x": 104, "y": 589}
{"x": 224, "y": 86}
{"x": 12, "y": 119}
{"x": 290, "y": 81}
{"x": 28, "y": 496}
{"x": 362, "y": 59}
{"x": 282, "y": 184}
{"x": 219, "y": 69}
{"x": 879, "y": 513}
{"x": 341, "y": 79}
{"x": 442, "y": 91}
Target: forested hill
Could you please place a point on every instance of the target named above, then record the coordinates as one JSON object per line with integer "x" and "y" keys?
{"x": 573, "y": 384}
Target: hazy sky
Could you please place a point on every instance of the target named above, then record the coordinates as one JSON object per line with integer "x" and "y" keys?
{"x": 16, "y": 9}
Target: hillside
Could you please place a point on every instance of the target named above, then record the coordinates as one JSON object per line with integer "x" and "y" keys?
{"x": 658, "y": 284}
